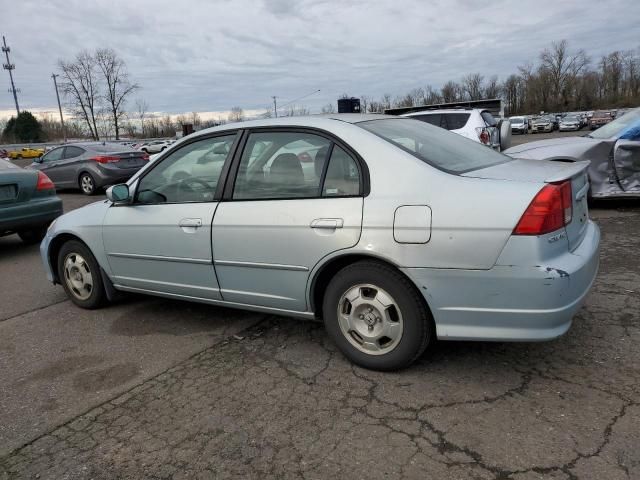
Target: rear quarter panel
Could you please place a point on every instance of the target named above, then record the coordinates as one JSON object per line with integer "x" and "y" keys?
{"x": 472, "y": 219}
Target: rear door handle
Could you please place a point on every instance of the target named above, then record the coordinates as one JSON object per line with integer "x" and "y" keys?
{"x": 328, "y": 223}
{"x": 190, "y": 223}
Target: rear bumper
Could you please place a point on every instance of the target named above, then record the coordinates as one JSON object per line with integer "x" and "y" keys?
{"x": 511, "y": 303}
{"x": 113, "y": 176}
{"x": 28, "y": 215}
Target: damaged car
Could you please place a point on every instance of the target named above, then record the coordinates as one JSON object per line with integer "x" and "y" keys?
{"x": 613, "y": 150}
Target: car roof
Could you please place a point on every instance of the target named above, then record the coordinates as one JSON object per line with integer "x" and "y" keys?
{"x": 319, "y": 121}
{"x": 444, "y": 110}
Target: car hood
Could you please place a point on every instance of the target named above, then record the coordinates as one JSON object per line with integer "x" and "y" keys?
{"x": 572, "y": 147}
{"x": 524, "y": 170}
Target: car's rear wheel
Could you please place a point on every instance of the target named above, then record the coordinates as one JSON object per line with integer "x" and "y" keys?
{"x": 87, "y": 184}
{"x": 32, "y": 236}
{"x": 376, "y": 317}
{"x": 79, "y": 274}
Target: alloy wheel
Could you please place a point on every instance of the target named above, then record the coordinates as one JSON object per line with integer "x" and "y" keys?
{"x": 86, "y": 183}
{"x": 370, "y": 319}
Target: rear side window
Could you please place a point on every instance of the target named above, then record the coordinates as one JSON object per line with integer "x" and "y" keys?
{"x": 488, "y": 119}
{"x": 432, "y": 119}
{"x": 448, "y": 121}
{"x": 444, "y": 150}
{"x": 73, "y": 152}
{"x": 456, "y": 121}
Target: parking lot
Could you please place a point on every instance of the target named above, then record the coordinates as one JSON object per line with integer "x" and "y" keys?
{"x": 164, "y": 389}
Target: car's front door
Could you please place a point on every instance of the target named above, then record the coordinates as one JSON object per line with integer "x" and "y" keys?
{"x": 162, "y": 241}
{"x": 49, "y": 164}
{"x": 626, "y": 157}
{"x": 297, "y": 197}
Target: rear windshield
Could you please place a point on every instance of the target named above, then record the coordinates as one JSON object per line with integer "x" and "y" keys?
{"x": 444, "y": 150}
{"x": 109, "y": 148}
{"x": 448, "y": 121}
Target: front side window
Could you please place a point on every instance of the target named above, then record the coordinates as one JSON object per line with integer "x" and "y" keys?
{"x": 53, "y": 155}
{"x": 189, "y": 174}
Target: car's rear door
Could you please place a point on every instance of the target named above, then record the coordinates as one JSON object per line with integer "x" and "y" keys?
{"x": 283, "y": 213}
{"x": 162, "y": 241}
{"x": 67, "y": 169}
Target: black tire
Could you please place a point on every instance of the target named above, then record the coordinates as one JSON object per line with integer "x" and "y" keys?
{"x": 417, "y": 328}
{"x": 87, "y": 184}
{"x": 97, "y": 295}
{"x": 32, "y": 236}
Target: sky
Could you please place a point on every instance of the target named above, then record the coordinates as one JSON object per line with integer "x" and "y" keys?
{"x": 211, "y": 55}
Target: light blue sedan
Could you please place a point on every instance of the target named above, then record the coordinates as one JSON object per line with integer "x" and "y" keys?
{"x": 392, "y": 231}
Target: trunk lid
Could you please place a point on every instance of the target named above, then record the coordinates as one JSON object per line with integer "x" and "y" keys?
{"x": 129, "y": 159}
{"x": 544, "y": 171}
{"x": 16, "y": 185}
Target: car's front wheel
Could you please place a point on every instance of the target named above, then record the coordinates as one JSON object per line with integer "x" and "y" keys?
{"x": 87, "y": 184}
{"x": 79, "y": 274}
{"x": 376, "y": 317}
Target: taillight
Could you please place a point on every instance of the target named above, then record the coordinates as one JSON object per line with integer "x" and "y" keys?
{"x": 484, "y": 136}
{"x": 145, "y": 157}
{"x": 550, "y": 210}
{"x": 105, "y": 159}
{"x": 44, "y": 182}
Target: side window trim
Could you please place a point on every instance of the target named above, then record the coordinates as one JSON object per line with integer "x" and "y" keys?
{"x": 363, "y": 170}
{"x": 225, "y": 168}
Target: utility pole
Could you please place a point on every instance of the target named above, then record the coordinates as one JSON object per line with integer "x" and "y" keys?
{"x": 275, "y": 106}
{"x": 10, "y": 66}
{"x": 55, "y": 83}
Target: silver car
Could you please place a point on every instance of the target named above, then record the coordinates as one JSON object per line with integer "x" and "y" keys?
{"x": 90, "y": 166}
{"x": 393, "y": 231}
{"x": 612, "y": 150}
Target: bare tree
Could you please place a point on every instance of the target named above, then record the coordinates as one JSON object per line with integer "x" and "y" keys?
{"x": 450, "y": 92}
{"x": 492, "y": 88}
{"x": 80, "y": 86}
{"x": 195, "y": 120}
{"x": 117, "y": 84}
{"x": 472, "y": 86}
{"x": 328, "y": 108}
{"x": 236, "y": 115}
{"x": 141, "y": 110}
{"x": 562, "y": 68}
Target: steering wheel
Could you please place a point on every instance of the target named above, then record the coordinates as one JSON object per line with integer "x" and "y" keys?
{"x": 184, "y": 186}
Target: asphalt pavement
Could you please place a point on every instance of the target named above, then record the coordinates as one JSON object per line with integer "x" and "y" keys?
{"x": 152, "y": 388}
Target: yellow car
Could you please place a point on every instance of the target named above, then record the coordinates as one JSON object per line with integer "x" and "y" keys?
{"x": 27, "y": 153}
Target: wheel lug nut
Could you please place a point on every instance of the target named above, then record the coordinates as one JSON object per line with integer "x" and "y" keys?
{"x": 361, "y": 316}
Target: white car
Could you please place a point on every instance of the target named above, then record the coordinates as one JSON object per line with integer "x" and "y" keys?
{"x": 519, "y": 125}
{"x": 156, "y": 146}
{"x": 570, "y": 123}
{"x": 475, "y": 124}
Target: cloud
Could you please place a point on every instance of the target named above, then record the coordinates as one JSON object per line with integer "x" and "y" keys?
{"x": 209, "y": 56}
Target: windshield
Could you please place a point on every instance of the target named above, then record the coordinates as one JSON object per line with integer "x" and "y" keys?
{"x": 626, "y": 127}
{"x": 444, "y": 150}
{"x": 516, "y": 120}
{"x": 570, "y": 119}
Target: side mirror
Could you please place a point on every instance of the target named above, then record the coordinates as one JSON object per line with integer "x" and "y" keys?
{"x": 118, "y": 194}
{"x": 38, "y": 159}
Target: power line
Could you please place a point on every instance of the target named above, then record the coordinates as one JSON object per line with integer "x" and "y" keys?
{"x": 300, "y": 98}
{"x": 10, "y": 66}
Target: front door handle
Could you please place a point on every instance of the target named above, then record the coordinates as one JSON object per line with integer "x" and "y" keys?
{"x": 328, "y": 223}
{"x": 190, "y": 224}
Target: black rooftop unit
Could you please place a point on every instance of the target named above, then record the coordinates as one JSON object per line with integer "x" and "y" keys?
{"x": 349, "y": 105}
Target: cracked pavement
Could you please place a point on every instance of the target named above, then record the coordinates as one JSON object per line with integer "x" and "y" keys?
{"x": 277, "y": 400}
